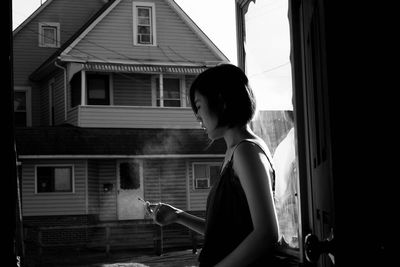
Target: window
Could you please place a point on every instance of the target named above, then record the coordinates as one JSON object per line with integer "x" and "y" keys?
{"x": 22, "y": 114}
{"x": 205, "y": 174}
{"x": 75, "y": 85}
{"x": 129, "y": 175}
{"x": 171, "y": 93}
{"x": 98, "y": 88}
{"x": 49, "y": 34}
{"x": 144, "y": 23}
{"x": 51, "y": 179}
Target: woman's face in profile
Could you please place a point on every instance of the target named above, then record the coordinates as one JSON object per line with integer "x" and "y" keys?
{"x": 208, "y": 119}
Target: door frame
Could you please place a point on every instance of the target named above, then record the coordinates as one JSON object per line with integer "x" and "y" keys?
{"x": 299, "y": 22}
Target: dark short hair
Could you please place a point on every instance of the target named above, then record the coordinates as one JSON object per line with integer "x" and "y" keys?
{"x": 228, "y": 93}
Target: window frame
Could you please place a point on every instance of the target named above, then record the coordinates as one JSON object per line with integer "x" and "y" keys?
{"x": 28, "y": 104}
{"x": 153, "y": 32}
{"x": 41, "y": 26}
{"x": 109, "y": 94}
{"x": 71, "y": 166}
{"x": 154, "y": 89}
{"x": 208, "y": 164}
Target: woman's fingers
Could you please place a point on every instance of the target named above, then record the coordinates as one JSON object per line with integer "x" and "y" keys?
{"x": 151, "y": 207}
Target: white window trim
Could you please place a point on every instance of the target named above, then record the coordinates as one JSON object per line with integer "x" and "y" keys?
{"x": 28, "y": 93}
{"x": 135, "y": 5}
{"x": 209, "y": 164}
{"x": 52, "y": 24}
{"x": 56, "y": 165}
{"x": 161, "y": 77}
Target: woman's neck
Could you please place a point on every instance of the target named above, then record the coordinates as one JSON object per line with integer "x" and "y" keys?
{"x": 235, "y": 134}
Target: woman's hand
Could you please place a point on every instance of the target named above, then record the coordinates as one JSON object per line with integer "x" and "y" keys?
{"x": 163, "y": 214}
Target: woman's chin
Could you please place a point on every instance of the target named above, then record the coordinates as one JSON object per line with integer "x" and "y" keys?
{"x": 213, "y": 135}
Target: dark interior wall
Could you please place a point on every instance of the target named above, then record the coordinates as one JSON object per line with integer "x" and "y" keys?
{"x": 362, "y": 112}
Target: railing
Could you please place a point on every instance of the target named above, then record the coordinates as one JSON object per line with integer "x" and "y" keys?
{"x": 136, "y": 117}
{"x": 140, "y": 234}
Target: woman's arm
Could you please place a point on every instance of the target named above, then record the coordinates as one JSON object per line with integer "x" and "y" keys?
{"x": 164, "y": 214}
{"x": 252, "y": 167}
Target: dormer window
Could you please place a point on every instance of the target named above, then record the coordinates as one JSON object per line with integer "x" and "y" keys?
{"x": 49, "y": 34}
{"x": 144, "y": 23}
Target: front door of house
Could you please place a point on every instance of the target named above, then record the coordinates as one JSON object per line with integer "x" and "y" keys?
{"x": 129, "y": 189}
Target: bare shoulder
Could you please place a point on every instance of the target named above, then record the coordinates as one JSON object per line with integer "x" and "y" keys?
{"x": 250, "y": 155}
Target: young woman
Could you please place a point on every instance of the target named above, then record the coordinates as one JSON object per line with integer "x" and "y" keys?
{"x": 241, "y": 227}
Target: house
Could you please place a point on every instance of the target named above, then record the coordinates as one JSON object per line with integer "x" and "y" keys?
{"x": 102, "y": 116}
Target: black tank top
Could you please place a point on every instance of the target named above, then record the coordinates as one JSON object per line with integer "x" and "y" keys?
{"x": 228, "y": 218}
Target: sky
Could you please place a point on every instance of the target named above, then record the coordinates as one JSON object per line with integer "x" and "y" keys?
{"x": 267, "y": 41}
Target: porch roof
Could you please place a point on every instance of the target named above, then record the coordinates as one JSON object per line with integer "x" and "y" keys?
{"x": 75, "y": 141}
{"x": 143, "y": 68}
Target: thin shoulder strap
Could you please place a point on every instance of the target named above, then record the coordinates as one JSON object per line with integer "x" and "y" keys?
{"x": 260, "y": 146}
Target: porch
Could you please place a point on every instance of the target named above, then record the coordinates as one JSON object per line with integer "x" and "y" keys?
{"x": 125, "y": 96}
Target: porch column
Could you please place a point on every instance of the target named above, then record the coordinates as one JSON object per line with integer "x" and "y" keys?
{"x": 161, "y": 90}
{"x": 83, "y": 87}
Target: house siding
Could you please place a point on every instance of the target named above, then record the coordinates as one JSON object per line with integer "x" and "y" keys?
{"x": 137, "y": 117}
{"x": 73, "y": 116}
{"x": 35, "y": 104}
{"x": 59, "y": 102}
{"x": 47, "y": 204}
{"x": 93, "y": 190}
{"x": 112, "y": 38}
{"x": 44, "y": 105}
{"x": 198, "y": 197}
{"x": 107, "y": 173}
{"x": 165, "y": 180}
{"x": 132, "y": 90}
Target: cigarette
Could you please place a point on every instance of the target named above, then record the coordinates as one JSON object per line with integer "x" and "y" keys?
{"x": 148, "y": 204}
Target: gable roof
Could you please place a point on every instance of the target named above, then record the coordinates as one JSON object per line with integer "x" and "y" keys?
{"x": 186, "y": 19}
{"x": 62, "y": 53}
{"x": 70, "y": 141}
